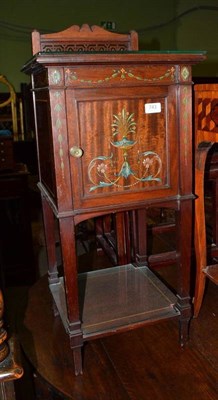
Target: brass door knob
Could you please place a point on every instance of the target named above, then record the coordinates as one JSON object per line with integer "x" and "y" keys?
{"x": 76, "y": 152}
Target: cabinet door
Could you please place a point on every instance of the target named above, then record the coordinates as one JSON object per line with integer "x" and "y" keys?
{"x": 123, "y": 144}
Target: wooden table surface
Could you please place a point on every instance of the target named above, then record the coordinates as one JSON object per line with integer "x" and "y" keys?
{"x": 47, "y": 346}
{"x": 140, "y": 364}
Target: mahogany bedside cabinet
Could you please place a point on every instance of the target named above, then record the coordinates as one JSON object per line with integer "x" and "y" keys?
{"x": 114, "y": 134}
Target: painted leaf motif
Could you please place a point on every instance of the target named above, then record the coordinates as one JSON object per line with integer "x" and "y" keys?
{"x": 125, "y": 170}
{"x": 101, "y": 184}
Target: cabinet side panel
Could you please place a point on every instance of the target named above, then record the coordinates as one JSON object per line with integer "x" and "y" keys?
{"x": 45, "y": 142}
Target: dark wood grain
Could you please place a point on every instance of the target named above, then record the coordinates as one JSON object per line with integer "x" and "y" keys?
{"x": 114, "y": 136}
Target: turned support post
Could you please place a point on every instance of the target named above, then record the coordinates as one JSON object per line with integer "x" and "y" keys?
{"x": 4, "y": 349}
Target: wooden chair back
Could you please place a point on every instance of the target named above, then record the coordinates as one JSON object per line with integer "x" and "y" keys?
{"x": 10, "y": 102}
{"x": 206, "y": 135}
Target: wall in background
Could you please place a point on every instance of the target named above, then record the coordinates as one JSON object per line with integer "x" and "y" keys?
{"x": 197, "y": 29}
{"x": 162, "y": 25}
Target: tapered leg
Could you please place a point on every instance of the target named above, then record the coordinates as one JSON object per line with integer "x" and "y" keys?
{"x": 102, "y": 226}
{"x": 77, "y": 359}
{"x": 49, "y": 229}
{"x": 69, "y": 258}
{"x": 183, "y": 250}
{"x": 122, "y": 238}
{"x": 139, "y": 229}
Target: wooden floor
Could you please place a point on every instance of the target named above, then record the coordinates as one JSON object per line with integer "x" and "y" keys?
{"x": 144, "y": 364}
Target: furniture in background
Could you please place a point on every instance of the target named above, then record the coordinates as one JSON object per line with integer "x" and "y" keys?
{"x": 16, "y": 126}
{"x": 114, "y": 136}
{"x": 211, "y": 203}
{"x": 28, "y": 115}
{"x": 13, "y": 131}
{"x": 6, "y": 152}
{"x": 11, "y": 111}
{"x": 16, "y": 250}
{"x": 16, "y": 247}
{"x": 10, "y": 365}
{"x": 8, "y": 127}
{"x": 206, "y": 135}
{"x": 8, "y": 118}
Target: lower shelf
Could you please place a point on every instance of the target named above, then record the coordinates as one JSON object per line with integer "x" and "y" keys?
{"x": 211, "y": 271}
{"x": 116, "y": 299}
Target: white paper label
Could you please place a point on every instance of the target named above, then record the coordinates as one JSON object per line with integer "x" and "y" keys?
{"x": 152, "y": 108}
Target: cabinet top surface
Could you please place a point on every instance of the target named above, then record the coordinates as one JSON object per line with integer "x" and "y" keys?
{"x": 159, "y": 57}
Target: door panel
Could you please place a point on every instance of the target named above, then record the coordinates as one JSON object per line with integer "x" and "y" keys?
{"x": 125, "y": 141}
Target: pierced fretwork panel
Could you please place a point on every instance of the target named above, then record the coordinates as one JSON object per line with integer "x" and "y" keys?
{"x": 84, "y": 47}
